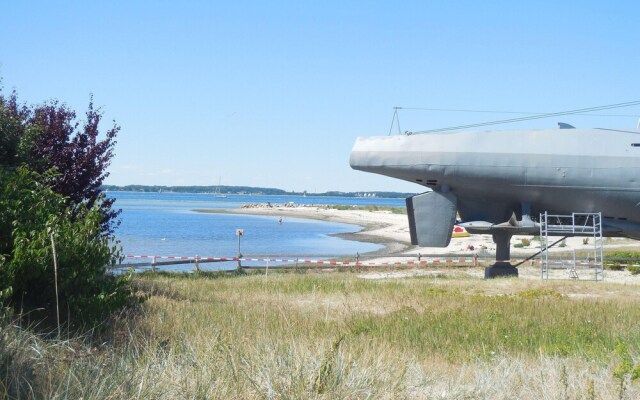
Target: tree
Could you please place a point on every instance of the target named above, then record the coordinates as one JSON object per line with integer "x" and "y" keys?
{"x": 12, "y": 124}
{"x": 51, "y": 171}
{"x": 56, "y": 140}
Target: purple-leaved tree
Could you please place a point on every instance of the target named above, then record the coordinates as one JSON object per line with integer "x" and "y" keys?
{"x": 76, "y": 152}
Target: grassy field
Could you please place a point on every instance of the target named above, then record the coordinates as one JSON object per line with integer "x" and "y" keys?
{"x": 331, "y": 335}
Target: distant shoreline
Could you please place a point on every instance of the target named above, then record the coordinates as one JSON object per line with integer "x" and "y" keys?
{"x": 251, "y": 191}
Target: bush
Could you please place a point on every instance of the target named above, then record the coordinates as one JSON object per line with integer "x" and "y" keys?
{"x": 634, "y": 269}
{"x": 51, "y": 171}
{"x": 623, "y": 254}
{"x": 37, "y": 217}
{"x": 616, "y": 266}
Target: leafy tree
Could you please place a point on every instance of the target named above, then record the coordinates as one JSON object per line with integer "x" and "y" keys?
{"x": 12, "y": 125}
{"x": 51, "y": 170}
{"x": 56, "y": 140}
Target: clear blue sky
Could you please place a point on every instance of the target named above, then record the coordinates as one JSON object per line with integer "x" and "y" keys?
{"x": 273, "y": 94}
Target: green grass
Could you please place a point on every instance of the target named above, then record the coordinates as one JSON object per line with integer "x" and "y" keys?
{"x": 335, "y": 335}
{"x": 622, "y": 254}
{"x": 393, "y": 210}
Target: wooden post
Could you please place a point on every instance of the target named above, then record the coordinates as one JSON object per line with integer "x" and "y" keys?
{"x": 55, "y": 282}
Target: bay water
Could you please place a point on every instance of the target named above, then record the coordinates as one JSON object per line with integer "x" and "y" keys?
{"x": 165, "y": 224}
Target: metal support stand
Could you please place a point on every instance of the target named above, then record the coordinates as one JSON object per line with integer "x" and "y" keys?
{"x": 502, "y": 267}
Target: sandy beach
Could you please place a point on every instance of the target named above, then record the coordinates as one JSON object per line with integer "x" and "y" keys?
{"x": 392, "y": 230}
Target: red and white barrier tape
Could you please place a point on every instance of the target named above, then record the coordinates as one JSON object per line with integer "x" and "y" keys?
{"x": 307, "y": 261}
{"x": 470, "y": 261}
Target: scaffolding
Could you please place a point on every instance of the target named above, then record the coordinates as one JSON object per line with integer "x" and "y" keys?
{"x": 587, "y": 264}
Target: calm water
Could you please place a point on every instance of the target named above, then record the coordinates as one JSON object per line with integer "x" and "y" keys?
{"x": 164, "y": 224}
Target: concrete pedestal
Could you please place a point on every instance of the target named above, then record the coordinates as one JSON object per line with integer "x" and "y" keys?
{"x": 499, "y": 270}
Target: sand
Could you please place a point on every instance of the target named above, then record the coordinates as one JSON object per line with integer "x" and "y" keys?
{"x": 392, "y": 230}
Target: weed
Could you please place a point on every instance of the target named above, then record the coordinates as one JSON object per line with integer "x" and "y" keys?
{"x": 591, "y": 390}
{"x": 634, "y": 269}
{"x": 625, "y": 371}
{"x": 327, "y": 367}
{"x": 616, "y": 266}
{"x": 537, "y": 293}
{"x": 564, "y": 380}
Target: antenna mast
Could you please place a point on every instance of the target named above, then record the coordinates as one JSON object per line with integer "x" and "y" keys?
{"x": 396, "y": 118}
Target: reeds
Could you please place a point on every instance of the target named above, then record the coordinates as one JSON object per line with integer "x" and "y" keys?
{"x": 335, "y": 335}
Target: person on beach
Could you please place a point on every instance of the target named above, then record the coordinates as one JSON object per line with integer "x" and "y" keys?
{"x": 280, "y": 221}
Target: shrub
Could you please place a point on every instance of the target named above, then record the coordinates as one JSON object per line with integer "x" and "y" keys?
{"x": 634, "y": 269}
{"x": 623, "y": 254}
{"x": 38, "y": 217}
{"x": 616, "y": 266}
{"x": 51, "y": 171}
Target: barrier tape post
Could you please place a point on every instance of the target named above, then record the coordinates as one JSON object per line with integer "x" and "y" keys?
{"x": 197, "y": 265}
{"x": 239, "y": 234}
{"x": 153, "y": 264}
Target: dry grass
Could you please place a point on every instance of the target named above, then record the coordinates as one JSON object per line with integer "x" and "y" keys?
{"x": 336, "y": 335}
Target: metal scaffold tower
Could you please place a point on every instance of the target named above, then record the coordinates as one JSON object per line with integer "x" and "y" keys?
{"x": 588, "y": 263}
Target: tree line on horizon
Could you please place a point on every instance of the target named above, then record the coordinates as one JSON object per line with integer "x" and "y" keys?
{"x": 245, "y": 190}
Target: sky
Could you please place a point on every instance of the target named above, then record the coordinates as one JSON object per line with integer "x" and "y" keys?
{"x": 274, "y": 93}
